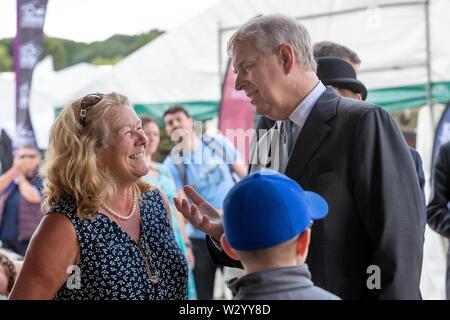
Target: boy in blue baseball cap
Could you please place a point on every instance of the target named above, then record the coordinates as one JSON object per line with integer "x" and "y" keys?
{"x": 267, "y": 219}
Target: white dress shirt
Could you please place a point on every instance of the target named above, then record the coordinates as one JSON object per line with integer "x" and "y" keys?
{"x": 270, "y": 140}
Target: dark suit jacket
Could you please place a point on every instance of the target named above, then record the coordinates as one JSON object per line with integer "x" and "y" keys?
{"x": 419, "y": 169}
{"x": 421, "y": 177}
{"x": 353, "y": 154}
{"x": 438, "y": 212}
{"x": 265, "y": 123}
{"x": 6, "y": 155}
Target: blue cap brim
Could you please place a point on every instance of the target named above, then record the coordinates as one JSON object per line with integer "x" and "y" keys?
{"x": 318, "y": 207}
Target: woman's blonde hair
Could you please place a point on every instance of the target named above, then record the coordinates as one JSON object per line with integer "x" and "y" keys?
{"x": 71, "y": 165}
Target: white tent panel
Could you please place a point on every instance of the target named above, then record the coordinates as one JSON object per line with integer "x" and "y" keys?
{"x": 7, "y": 106}
{"x": 183, "y": 65}
{"x": 49, "y": 89}
{"x": 440, "y": 46}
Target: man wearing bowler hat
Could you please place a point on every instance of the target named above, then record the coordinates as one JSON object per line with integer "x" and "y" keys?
{"x": 339, "y": 74}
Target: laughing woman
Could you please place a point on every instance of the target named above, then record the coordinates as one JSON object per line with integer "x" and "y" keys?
{"x": 106, "y": 234}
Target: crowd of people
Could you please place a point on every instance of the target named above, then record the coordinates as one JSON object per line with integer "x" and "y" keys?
{"x": 331, "y": 207}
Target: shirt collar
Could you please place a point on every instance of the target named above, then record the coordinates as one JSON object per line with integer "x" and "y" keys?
{"x": 301, "y": 112}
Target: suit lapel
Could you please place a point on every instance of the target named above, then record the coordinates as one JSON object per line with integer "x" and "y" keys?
{"x": 260, "y": 152}
{"x": 313, "y": 133}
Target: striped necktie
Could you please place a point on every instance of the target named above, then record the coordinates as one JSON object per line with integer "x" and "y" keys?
{"x": 285, "y": 143}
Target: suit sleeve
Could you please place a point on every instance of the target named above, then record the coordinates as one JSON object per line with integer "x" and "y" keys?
{"x": 219, "y": 257}
{"x": 389, "y": 202}
{"x": 438, "y": 212}
{"x": 419, "y": 168}
{"x": 421, "y": 177}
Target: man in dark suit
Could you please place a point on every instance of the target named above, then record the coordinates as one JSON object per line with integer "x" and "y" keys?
{"x": 348, "y": 151}
{"x": 438, "y": 209}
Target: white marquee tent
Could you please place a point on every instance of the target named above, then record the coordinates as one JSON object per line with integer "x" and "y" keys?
{"x": 401, "y": 52}
{"x": 390, "y": 37}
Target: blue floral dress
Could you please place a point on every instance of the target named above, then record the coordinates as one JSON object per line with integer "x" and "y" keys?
{"x": 113, "y": 266}
{"x": 166, "y": 183}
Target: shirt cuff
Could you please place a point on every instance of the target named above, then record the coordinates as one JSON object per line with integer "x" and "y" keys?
{"x": 216, "y": 244}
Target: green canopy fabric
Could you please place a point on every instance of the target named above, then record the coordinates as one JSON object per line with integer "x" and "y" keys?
{"x": 391, "y": 99}
{"x": 397, "y": 98}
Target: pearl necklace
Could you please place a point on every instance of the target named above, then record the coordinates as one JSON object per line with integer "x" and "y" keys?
{"x": 133, "y": 208}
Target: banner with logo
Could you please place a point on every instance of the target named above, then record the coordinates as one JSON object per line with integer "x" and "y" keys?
{"x": 236, "y": 115}
{"x": 442, "y": 134}
{"x": 27, "y": 51}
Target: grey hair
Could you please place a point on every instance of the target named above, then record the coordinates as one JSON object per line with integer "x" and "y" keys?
{"x": 271, "y": 31}
{"x": 332, "y": 49}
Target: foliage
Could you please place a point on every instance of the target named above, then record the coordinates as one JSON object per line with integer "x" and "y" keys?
{"x": 67, "y": 52}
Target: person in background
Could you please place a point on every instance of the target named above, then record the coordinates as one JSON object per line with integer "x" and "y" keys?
{"x": 161, "y": 177}
{"x": 339, "y": 74}
{"x": 336, "y": 50}
{"x": 267, "y": 219}
{"x": 20, "y": 198}
{"x": 106, "y": 233}
{"x": 438, "y": 206}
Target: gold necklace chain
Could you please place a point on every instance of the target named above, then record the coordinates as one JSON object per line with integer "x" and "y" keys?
{"x": 118, "y": 215}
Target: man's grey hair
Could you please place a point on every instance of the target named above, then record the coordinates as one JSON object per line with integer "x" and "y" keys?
{"x": 271, "y": 31}
{"x": 332, "y": 49}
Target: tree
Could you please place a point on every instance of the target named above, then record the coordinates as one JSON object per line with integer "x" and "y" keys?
{"x": 6, "y": 62}
{"x": 67, "y": 52}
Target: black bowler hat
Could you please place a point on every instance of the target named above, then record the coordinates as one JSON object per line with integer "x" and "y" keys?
{"x": 339, "y": 73}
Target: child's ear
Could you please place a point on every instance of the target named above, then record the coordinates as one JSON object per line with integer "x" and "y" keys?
{"x": 227, "y": 248}
{"x": 303, "y": 245}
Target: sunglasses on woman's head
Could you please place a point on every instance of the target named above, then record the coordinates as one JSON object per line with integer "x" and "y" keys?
{"x": 87, "y": 102}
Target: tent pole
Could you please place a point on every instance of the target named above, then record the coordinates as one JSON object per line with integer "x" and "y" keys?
{"x": 219, "y": 46}
{"x": 428, "y": 53}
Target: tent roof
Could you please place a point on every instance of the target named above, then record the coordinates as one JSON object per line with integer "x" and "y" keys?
{"x": 183, "y": 64}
